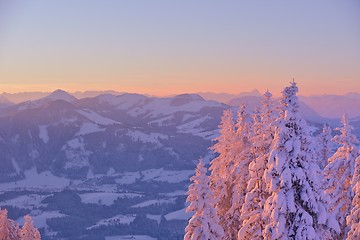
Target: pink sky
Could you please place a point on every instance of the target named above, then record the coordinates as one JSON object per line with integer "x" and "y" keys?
{"x": 168, "y": 48}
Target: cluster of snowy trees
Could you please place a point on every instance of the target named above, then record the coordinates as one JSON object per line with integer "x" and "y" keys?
{"x": 10, "y": 230}
{"x": 272, "y": 179}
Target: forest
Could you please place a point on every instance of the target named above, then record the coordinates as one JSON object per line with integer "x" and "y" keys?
{"x": 275, "y": 178}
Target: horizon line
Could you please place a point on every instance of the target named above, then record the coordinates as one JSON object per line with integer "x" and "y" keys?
{"x": 170, "y": 94}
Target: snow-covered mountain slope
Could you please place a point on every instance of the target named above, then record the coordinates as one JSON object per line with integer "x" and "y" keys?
{"x": 24, "y": 96}
{"x": 226, "y": 97}
{"x": 37, "y": 103}
{"x": 91, "y": 94}
{"x": 31, "y": 96}
{"x": 110, "y": 165}
{"x": 60, "y": 95}
{"x": 4, "y": 102}
{"x": 333, "y": 106}
{"x": 129, "y": 132}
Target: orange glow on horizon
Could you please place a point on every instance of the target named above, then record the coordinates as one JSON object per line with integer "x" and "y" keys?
{"x": 169, "y": 89}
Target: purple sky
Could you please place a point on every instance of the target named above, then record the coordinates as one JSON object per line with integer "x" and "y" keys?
{"x": 165, "y": 47}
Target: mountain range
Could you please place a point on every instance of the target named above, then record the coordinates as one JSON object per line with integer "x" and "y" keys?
{"x": 110, "y": 164}
{"x": 72, "y": 137}
{"x": 327, "y": 106}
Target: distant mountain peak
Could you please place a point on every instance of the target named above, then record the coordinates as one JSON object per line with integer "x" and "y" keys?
{"x": 5, "y": 101}
{"x": 254, "y": 92}
{"x": 59, "y": 92}
{"x": 353, "y": 95}
{"x": 189, "y": 96}
{"x": 61, "y": 95}
{"x": 183, "y": 99}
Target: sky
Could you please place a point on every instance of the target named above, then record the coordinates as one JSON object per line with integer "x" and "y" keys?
{"x": 169, "y": 47}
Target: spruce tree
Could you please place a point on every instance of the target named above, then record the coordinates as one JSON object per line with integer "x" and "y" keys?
{"x": 222, "y": 165}
{"x": 9, "y": 230}
{"x": 239, "y": 176}
{"x": 294, "y": 209}
{"x": 353, "y": 219}
{"x": 338, "y": 177}
{"x": 204, "y": 224}
{"x": 252, "y": 209}
{"x": 28, "y": 231}
{"x": 324, "y": 141}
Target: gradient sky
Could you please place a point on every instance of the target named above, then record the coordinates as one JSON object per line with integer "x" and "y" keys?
{"x": 166, "y": 47}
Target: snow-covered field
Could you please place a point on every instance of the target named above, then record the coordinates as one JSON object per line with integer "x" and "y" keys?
{"x": 193, "y": 126}
{"x": 39, "y": 218}
{"x": 34, "y": 180}
{"x": 30, "y": 201}
{"x": 175, "y": 193}
{"x": 179, "y": 215}
{"x": 128, "y": 178}
{"x": 162, "y": 175}
{"x": 159, "y": 175}
{"x": 154, "y": 202}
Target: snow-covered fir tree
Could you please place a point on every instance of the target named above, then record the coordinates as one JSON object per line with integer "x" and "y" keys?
{"x": 325, "y": 144}
{"x": 294, "y": 209}
{"x": 338, "y": 177}
{"x": 204, "y": 224}
{"x": 222, "y": 165}
{"x": 267, "y": 183}
{"x": 28, "y": 231}
{"x": 353, "y": 219}
{"x": 9, "y": 230}
{"x": 239, "y": 176}
{"x": 252, "y": 209}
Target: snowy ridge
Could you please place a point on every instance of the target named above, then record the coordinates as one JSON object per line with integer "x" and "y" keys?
{"x": 87, "y": 128}
{"x": 124, "y": 101}
{"x": 59, "y": 95}
{"x": 96, "y": 118}
{"x": 165, "y": 106}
